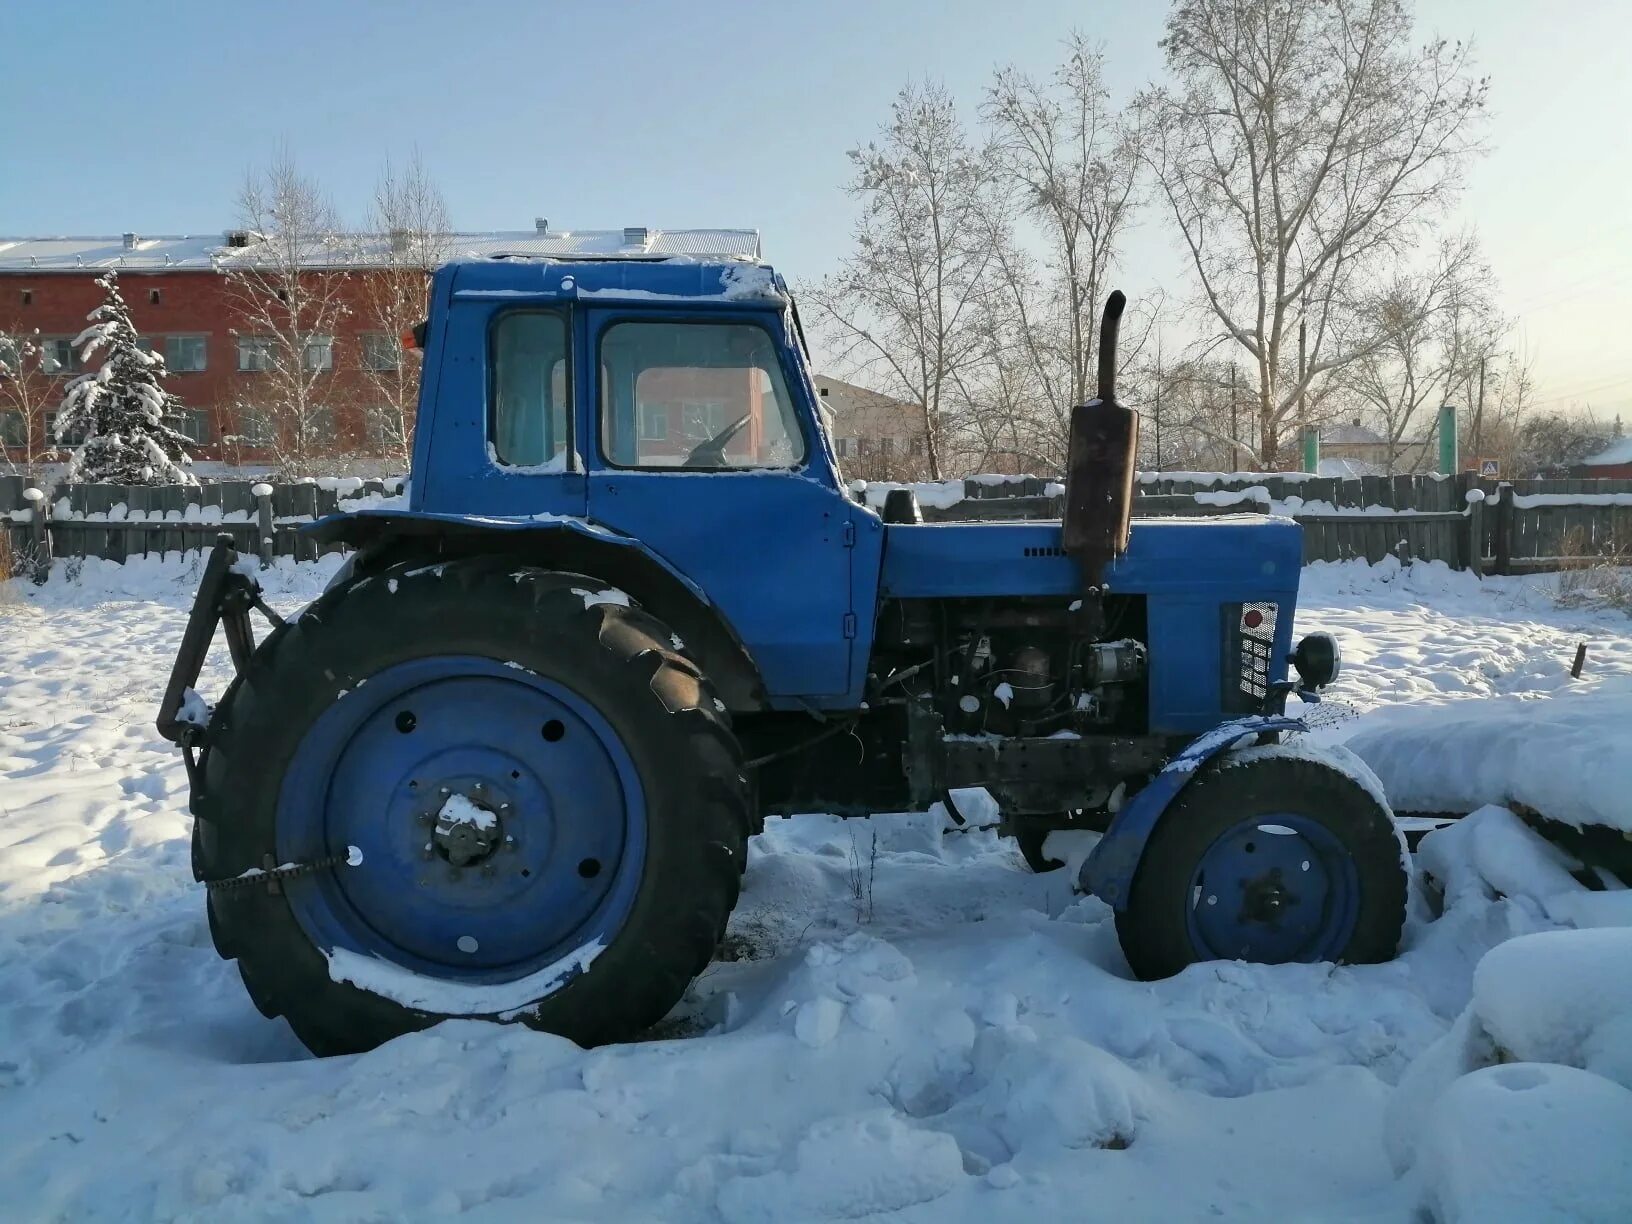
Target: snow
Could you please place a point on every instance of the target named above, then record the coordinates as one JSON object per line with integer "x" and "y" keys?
{"x": 611, "y": 595}
{"x": 944, "y": 1037}
{"x": 459, "y": 810}
{"x": 458, "y": 998}
{"x": 1618, "y": 451}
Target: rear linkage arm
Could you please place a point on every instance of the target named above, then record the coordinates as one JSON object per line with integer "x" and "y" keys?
{"x": 226, "y": 594}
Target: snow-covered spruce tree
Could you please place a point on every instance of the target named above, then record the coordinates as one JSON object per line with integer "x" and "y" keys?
{"x": 121, "y": 409}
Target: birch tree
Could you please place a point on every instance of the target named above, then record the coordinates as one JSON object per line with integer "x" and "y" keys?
{"x": 1302, "y": 147}
{"x": 904, "y": 310}
{"x": 1435, "y": 329}
{"x": 287, "y": 289}
{"x": 24, "y": 392}
{"x": 1072, "y": 158}
{"x": 410, "y": 218}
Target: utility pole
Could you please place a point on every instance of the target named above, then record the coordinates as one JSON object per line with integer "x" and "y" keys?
{"x": 1479, "y": 413}
{"x": 1158, "y": 404}
{"x": 1235, "y": 436}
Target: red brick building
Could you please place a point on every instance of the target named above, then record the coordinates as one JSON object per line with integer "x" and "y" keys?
{"x": 184, "y": 302}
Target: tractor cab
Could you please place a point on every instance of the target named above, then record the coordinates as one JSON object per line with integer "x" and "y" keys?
{"x": 508, "y": 764}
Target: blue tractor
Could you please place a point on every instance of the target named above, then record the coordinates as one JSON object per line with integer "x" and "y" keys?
{"x": 508, "y": 764}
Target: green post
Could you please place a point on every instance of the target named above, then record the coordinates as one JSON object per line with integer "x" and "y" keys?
{"x": 1311, "y": 449}
{"x": 1447, "y": 439}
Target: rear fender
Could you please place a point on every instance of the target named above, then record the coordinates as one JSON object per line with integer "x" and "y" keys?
{"x": 385, "y": 536}
{"x": 1108, "y": 871}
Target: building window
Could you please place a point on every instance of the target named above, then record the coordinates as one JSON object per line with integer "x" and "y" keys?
{"x": 381, "y": 351}
{"x": 59, "y": 356}
{"x": 145, "y": 343}
{"x": 28, "y": 297}
{"x": 915, "y": 447}
{"x": 255, "y": 354}
{"x": 11, "y": 355}
{"x": 13, "y": 429}
{"x": 184, "y": 354}
{"x": 864, "y": 446}
{"x": 318, "y": 353}
{"x": 74, "y": 438}
{"x": 843, "y": 445}
{"x": 255, "y": 428}
{"x": 152, "y": 297}
{"x": 194, "y": 425}
{"x": 886, "y": 447}
{"x": 384, "y": 427}
{"x": 654, "y": 422}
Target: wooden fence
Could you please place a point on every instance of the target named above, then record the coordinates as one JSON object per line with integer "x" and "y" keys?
{"x": 117, "y": 521}
{"x": 1518, "y": 526}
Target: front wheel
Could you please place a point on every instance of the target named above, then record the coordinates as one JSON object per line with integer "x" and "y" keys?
{"x": 546, "y": 805}
{"x": 1270, "y": 859}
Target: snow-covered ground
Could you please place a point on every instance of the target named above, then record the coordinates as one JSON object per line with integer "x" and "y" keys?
{"x": 931, "y": 1031}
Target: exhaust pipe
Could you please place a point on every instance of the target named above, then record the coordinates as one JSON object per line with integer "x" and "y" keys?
{"x": 1099, "y": 467}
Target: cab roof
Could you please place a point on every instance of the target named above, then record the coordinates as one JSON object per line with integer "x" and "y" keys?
{"x": 742, "y": 281}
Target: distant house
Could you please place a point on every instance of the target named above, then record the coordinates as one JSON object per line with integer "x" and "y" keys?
{"x": 875, "y": 434}
{"x": 1612, "y": 463}
{"x": 1354, "y": 449}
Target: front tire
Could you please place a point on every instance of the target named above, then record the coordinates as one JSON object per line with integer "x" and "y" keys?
{"x": 1271, "y": 859}
{"x": 591, "y": 856}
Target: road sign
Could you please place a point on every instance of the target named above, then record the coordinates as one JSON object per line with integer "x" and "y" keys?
{"x": 1490, "y": 468}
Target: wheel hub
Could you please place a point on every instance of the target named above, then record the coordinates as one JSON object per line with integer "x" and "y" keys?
{"x": 467, "y": 831}
{"x": 1266, "y": 898}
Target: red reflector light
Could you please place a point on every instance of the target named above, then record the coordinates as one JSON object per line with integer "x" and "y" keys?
{"x": 1253, "y": 618}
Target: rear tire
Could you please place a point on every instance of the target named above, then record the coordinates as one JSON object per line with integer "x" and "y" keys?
{"x": 1209, "y": 883}
{"x": 675, "y": 879}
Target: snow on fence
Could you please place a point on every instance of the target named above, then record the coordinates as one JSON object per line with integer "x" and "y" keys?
{"x": 119, "y": 521}
{"x": 1504, "y": 527}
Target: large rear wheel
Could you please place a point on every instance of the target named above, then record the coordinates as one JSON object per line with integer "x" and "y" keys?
{"x": 547, "y": 803}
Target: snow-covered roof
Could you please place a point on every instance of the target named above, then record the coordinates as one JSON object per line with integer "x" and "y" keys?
{"x": 176, "y": 253}
{"x": 1349, "y": 469}
{"x": 1352, "y": 434}
{"x": 1619, "y": 451}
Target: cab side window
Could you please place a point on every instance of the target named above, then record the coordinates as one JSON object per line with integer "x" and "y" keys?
{"x": 531, "y": 393}
{"x": 696, "y": 395}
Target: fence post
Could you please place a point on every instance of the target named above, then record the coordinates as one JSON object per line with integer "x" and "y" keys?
{"x": 38, "y": 533}
{"x": 263, "y": 518}
{"x": 1505, "y": 510}
{"x": 1475, "y": 552}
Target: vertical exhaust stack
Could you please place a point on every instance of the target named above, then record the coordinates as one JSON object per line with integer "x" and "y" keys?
{"x": 1100, "y": 465}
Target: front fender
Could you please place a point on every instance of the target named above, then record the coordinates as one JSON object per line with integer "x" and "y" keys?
{"x": 1108, "y": 871}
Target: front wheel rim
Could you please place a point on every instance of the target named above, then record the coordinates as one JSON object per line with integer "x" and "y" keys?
{"x": 1273, "y": 889}
{"x": 500, "y": 817}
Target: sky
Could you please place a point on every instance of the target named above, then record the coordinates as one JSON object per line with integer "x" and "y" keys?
{"x": 665, "y": 113}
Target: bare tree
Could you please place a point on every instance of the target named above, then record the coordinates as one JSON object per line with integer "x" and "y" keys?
{"x": 1302, "y": 147}
{"x": 410, "y": 219}
{"x": 24, "y": 392}
{"x": 1073, "y": 159}
{"x": 287, "y": 288}
{"x": 1435, "y": 328}
{"x": 903, "y": 312}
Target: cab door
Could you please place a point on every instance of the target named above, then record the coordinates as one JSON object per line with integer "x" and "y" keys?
{"x": 699, "y": 449}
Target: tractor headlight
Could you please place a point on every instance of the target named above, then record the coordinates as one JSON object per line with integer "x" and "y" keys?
{"x": 1318, "y": 660}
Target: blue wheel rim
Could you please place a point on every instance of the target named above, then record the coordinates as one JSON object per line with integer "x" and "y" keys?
{"x": 562, "y": 820}
{"x": 1274, "y": 889}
